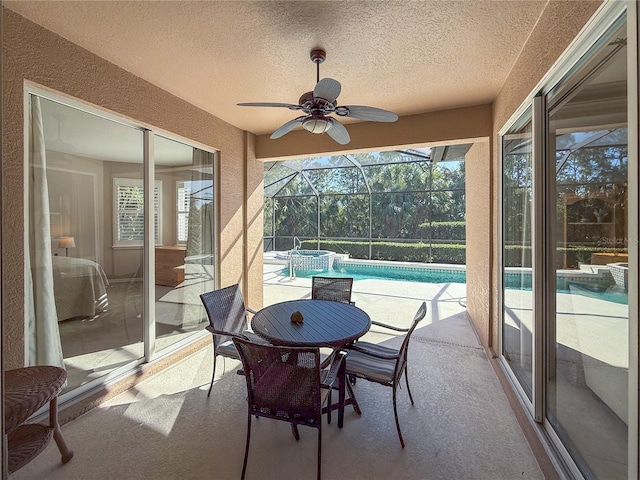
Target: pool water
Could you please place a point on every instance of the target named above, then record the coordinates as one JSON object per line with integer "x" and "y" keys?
{"x": 607, "y": 292}
{"x": 363, "y": 272}
{"x": 613, "y": 293}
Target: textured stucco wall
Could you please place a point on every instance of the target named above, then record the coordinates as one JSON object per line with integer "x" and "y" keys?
{"x": 558, "y": 25}
{"x": 254, "y": 223}
{"x": 33, "y": 54}
{"x": 478, "y": 217}
{"x": 444, "y": 127}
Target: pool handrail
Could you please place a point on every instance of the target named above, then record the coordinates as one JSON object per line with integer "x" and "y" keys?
{"x": 292, "y": 268}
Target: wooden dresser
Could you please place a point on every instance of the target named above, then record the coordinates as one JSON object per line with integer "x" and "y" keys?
{"x": 170, "y": 265}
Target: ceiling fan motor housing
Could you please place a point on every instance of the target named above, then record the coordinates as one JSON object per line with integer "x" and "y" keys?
{"x": 318, "y": 55}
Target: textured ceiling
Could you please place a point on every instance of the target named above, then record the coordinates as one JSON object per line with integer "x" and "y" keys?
{"x": 405, "y": 56}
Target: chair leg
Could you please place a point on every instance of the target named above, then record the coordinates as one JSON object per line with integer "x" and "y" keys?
{"x": 319, "y": 448}
{"x": 342, "y": 392}
{"x": 406, "y": 379}
{"x": 354, "y": 401}
{"x": 395, "y": 413}
{"x": 246, "y": 449}
{"x": 213, "y": 375}
{"x": 294, "y": 430}
{"x": 65, "y": 452}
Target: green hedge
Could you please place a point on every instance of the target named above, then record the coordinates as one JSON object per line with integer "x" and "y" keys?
{"x": 567, "y": 257}
{"x": 444, "y": 230}
{"x": 515, "y": 255}
{"x": 401, "y": 252}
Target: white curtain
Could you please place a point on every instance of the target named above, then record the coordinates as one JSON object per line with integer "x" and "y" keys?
{"x": 44, "y": 343}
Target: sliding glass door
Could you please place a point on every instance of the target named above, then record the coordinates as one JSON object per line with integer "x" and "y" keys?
{"x": 588, "y": 355}
{"x": 566, "y": 335}
{"x": 83, "y": 313}
{"x": 85, "y": 300}
{"x": 184, "y": 252}
{"x": 517, "y": 208}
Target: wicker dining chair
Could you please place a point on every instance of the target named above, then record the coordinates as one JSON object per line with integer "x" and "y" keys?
{"x": 384, "y": 365}
{"x": 286, "y": 383}
{"x": 336, "y": 289}
{"x": 227, "y": 318}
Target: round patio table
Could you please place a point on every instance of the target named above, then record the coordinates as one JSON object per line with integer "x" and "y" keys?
{"x": 325, "y": 323}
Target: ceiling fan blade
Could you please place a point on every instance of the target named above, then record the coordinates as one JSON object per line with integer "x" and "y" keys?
{"x": 327, "y": 88}
{"x": 338, "y": 132}
{"x": 371, "y": 114}
{"x": 287, "y": 127}
{"x": 269, "y": 104}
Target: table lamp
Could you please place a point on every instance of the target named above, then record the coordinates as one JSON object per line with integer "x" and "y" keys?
{"x": 66, "y": 243}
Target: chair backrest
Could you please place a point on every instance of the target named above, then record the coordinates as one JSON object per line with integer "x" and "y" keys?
{"x": 402, "y": 354}
{"x": 282, "y": 382}
{"x": 335, "y": 289}
{"x": 226, "y": 311}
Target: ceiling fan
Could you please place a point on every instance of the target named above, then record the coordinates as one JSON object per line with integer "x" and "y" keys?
{"x": 320, "y": 103}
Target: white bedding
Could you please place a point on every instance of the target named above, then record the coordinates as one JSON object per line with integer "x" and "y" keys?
{"x": 80, "y": 287}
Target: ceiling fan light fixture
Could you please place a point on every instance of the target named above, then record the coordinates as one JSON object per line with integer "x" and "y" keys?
{"x": 317, "y": 124}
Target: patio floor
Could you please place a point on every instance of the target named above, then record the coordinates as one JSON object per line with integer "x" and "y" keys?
{"x": 461, "y": 427}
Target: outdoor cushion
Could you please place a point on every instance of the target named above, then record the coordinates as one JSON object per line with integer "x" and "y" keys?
{"x": 369, "y": 366}
{"x": 228, "y": 349}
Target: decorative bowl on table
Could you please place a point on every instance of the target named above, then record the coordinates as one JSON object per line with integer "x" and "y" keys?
{"x": 296, "y": 317}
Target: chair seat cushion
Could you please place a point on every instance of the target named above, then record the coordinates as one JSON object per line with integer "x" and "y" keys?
{"x": 228, "y": 349}
{"x": 367, "y": 366}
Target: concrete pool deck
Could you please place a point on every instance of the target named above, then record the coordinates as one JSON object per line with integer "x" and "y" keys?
{"x": 390, "y": 301}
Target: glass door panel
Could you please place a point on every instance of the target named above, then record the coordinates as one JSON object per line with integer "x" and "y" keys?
{"x": 587, "y": 389}
{"x": 85, "y": 262}
{"x": 184, "y": 251}
{"x": 517, "y": 306}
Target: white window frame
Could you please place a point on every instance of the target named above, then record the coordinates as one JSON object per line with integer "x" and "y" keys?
{"x": 135, "y": 182}
{"x": 181, "y": 184}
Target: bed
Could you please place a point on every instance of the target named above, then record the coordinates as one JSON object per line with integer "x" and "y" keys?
{"x": 80, "y": 287}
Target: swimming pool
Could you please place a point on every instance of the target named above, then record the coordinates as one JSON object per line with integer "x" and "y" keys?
{"x": 400, "y": 271}
{"x": 568, "y": 282}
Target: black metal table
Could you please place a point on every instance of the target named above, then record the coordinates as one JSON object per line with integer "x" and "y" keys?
{"x": 325, "y": 324}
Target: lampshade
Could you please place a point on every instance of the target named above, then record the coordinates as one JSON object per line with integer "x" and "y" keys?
{"x": 317, "y": 124}
{"x": 66, "y": 242}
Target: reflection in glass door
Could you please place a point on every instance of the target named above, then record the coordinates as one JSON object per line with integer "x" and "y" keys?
{"x": 587, "y": 389}
{"x": 517, "y": 293}
{"x": 184, "y": 253}
{"x": 86, "y": 308}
